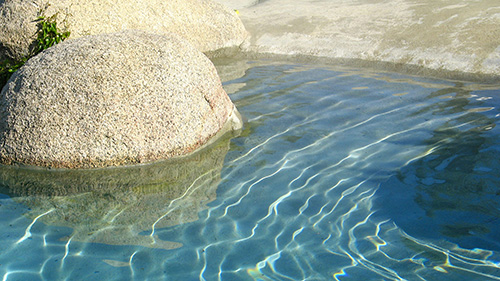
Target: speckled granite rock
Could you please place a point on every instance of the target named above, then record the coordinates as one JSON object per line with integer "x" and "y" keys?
{"x": 113, "y": 99}
{"x": 208, "y": 25}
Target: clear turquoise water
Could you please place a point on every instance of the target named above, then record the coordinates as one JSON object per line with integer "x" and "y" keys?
{"x": 339, "y": 174}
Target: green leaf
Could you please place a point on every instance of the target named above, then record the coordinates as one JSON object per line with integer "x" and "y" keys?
{"x": 48, "y": 35}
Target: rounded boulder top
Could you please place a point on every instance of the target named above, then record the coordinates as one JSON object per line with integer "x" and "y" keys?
{"x": 208, "y": 25}
{"x": 112, "y": 99}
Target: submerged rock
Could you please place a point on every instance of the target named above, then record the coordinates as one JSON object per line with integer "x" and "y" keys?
{"x": 109, "y": 100}
{"x": 123, "y": 205}
{"x": 208, "y": 25}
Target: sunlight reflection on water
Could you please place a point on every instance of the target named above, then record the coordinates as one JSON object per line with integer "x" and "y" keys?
{"x": 339, "y": 174}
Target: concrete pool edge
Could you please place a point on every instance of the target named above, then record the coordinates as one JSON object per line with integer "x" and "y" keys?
{"x": 454, "y": 39}
{"x": 375, "y": 66}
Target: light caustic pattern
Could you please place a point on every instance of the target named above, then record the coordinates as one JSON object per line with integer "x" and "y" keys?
{"x": 320, "y": 150}
{"x": 297, "y": 200}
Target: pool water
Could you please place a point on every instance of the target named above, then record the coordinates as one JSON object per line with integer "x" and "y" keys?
{"x": 338, "y": 174}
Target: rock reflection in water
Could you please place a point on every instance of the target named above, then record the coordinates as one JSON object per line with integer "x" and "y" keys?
{"x": 120, "y": 206}
{"x": 452, "y": 192}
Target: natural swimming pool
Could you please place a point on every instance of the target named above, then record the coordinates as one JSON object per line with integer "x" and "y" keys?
{"x": 339, "y": 174}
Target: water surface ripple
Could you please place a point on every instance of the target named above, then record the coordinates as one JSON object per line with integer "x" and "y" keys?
{"x": 339, "y": 174}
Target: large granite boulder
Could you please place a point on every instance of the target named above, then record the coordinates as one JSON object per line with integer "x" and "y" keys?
{"x": 209, "y": 26}
{"x": 113, "y": 99}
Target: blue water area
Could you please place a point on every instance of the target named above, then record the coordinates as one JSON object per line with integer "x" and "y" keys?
{"x": 338, "y": 174}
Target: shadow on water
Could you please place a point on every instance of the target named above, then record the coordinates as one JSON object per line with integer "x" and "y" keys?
{"x": 120, "y": 206}
{"x": 452, "y": 192}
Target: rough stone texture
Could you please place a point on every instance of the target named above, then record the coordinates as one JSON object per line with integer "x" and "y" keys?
{"x": 113, "y": 99}
{"x": 208, "y": 25}
{"x": 453, "y": 35}
{"x": 117, "y": 206}
{"x": 17, "y": 33}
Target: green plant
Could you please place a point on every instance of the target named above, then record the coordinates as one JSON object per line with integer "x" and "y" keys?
{"x": 48, "y": 35}
{"x": 7, "y": 67}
